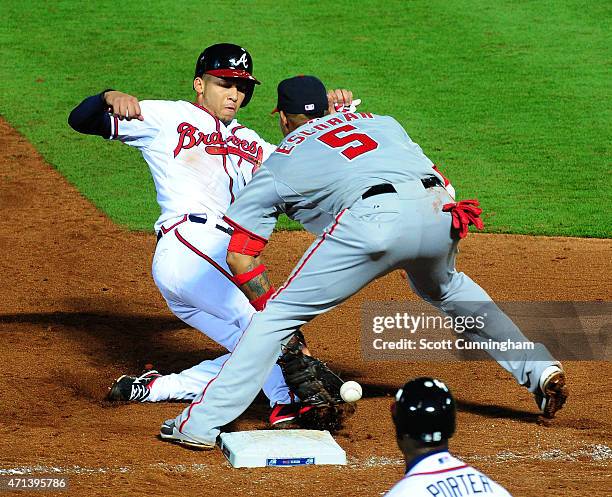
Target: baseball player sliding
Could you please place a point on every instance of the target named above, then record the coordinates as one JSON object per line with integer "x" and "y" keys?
{"x": 424, "y": 418}
{"x": 370, "y": 195}
{"x": 200, "y": 158}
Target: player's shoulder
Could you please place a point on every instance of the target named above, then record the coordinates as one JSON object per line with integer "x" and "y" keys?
{"x": 251, "y": 136}
{"x": 388, "y": 119}
{"x": 407, "y": 487}
{"x": 243, "y": 131}
{"x": 265, "y": 174}
{"x": 159, "y": 108}
{"x": 161, "y": 103}
{"x": 276, "y": 162}
{"x": 239, "y": 128}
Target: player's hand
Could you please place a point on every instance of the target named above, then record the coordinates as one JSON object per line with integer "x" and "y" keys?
{"x": 338, "y": 99}
{"x": 123, "y": 106}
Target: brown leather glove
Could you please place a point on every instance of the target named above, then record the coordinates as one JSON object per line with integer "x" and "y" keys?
{"x": 309, "y": 378}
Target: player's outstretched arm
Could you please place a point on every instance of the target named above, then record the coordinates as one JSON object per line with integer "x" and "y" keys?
{"x": 252, "y": 217}
{"x": 92, "y": 117}
{"x": 251, "y": 277}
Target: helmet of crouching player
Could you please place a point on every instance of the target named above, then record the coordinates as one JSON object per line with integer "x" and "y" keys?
{"x": 424, "y": 416}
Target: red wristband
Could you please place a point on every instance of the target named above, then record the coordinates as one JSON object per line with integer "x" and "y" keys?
{"x": 243, "y": 243}
{"x": 241, "y": 279}
{"x": 260, "y": 302}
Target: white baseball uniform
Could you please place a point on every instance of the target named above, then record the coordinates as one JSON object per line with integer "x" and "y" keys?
{"x": 439, "y": 474}
{"x": 198, "y": 165}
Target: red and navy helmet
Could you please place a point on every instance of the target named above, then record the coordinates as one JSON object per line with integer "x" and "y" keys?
{"x": 424, "y": 410}
{"x": 225, "y": 60}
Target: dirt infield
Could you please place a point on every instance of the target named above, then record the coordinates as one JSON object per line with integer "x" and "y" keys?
{"x": 80, "y": 307}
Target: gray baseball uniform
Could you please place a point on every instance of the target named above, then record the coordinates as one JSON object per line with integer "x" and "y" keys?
{"x": 328, "y": 174}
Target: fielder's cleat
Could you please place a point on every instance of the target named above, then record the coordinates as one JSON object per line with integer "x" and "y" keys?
{"x": 169, "y": 433}
{"x": 133, "y": 388}
{"x": 286, "y": 413}
{"x": 553, "y": 391}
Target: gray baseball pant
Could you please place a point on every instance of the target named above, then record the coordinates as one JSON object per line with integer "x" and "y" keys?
{"x": 376, "y": 235}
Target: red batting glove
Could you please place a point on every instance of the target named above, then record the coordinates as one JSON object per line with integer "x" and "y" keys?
{"x": 465, "y": 213}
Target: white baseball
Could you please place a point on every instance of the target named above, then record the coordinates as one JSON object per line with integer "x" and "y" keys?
{"x": 350, "y": 391}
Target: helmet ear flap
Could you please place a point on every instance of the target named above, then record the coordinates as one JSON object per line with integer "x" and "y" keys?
{"x": 248, "y": 94}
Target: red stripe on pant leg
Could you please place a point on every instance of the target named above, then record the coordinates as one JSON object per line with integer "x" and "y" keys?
{"x": 210, "y": 382}
{"x": 203, "y": 256}
{"x": 151, "y": 383}
{"x": 201, "y": 398}
{"x": 165, "y": 231}
{"x": 245, "y": 330}
{"x": 309, "y": 255}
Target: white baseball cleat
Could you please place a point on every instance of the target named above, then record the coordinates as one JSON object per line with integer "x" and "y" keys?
{"x": 553, "y": 391}
{"x": 169, "y": 433}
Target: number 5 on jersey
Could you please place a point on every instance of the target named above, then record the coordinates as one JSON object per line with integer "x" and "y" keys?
{"x": 363, "y": 145}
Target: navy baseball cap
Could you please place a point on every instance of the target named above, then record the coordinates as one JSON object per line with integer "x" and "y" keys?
{"x": 302, "y": 95}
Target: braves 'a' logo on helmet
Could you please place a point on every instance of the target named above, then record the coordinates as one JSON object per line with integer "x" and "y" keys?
{"x": 242, "y": 60}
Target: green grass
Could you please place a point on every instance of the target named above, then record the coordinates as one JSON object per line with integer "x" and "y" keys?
{"x": 510, "y": 98}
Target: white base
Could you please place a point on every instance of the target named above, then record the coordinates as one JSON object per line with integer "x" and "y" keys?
{"x": 257, "y": 449}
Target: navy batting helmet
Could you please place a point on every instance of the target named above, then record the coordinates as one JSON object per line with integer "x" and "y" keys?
{"x": 226, "y": 60}
{"x": 424, "y": 409}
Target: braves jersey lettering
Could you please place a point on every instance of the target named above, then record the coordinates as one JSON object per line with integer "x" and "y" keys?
{"x": 190, "y": 136}
{"x": 198, "y": 164}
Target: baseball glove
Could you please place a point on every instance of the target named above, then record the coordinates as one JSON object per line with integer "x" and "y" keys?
{"x": 307, "y": 377}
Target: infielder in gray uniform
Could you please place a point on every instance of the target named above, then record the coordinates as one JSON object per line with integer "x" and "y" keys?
{"x": 369, "y": 193}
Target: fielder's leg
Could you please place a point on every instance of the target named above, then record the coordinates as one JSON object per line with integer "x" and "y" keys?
{"x": 457, "y": 295}
{"x": 191, "y": 273}
{"x": 337, "y": 264}
{"x": 434, "y": 278}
